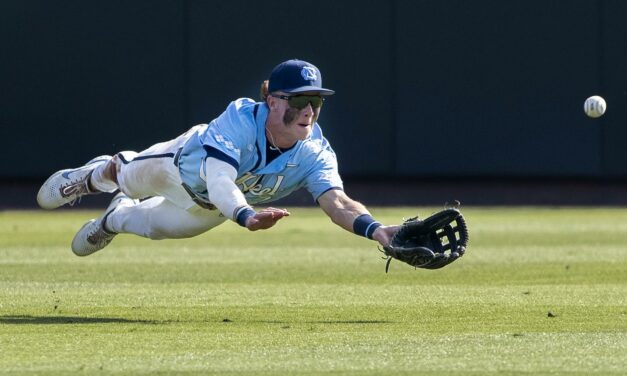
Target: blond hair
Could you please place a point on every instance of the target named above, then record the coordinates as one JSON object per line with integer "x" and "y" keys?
{"x": 263, "y": 91}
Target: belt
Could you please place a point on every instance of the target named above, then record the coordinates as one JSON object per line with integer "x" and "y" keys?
{"x": 200, "y": 202}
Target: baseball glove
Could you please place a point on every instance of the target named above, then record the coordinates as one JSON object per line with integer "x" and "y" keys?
{"x": 431, "y": 243}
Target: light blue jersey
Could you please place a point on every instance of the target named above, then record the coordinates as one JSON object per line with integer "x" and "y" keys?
{"x": 238, "y": 137}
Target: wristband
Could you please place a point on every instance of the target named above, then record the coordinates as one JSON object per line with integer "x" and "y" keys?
{"x": 365, "y": 225}
{"x": 243, "y": 214}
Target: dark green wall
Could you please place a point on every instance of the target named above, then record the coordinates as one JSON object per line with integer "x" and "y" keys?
{"x": 424, "y": 88}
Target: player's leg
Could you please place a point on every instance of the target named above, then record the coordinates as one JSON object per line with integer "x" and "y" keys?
{"x": 170, "y": 213}
{"x": 149, "y": 173}
{"x": 157, "y": 218}
{"x": 102, "y": 174}
{"x": 154, "y": 218}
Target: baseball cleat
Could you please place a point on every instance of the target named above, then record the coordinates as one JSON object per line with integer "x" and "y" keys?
{"x": 93, "y": 236}
{"x": 68, "y": 186}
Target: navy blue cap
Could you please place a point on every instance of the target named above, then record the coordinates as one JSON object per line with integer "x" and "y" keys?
{"x": 297, "y": 76}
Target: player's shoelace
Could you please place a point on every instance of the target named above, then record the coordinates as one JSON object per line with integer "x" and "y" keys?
{"x": 100, "y": 237}
{"x": 78, "y": 187}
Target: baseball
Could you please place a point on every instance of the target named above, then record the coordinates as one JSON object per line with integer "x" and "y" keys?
{"x": 595, "y": 106}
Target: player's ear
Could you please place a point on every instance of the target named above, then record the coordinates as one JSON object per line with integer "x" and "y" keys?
{"x": 272, "y": 102}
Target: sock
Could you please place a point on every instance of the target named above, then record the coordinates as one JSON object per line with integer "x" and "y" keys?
{"x": 99, "y": 182}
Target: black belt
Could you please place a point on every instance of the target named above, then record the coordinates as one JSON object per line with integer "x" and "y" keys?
{"x": 200, "y": 202}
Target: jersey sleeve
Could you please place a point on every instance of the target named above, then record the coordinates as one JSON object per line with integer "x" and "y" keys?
{"x": 324, "y": 175}
{"x": 229, "y": 133}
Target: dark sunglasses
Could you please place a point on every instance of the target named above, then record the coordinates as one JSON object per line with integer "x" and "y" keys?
{"x": 301, "y": 101}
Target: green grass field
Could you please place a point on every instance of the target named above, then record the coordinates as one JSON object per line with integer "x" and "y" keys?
{"x": 308, "y": 298}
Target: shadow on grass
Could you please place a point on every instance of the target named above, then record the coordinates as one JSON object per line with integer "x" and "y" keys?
{"x": 55, "y": 320}
{"x": 349, "y": 322}
{"x": 17, "y": 320}
{"x": 330, "y": 322}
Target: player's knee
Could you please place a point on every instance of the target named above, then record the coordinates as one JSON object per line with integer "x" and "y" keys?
{"x": 111, "y": 169}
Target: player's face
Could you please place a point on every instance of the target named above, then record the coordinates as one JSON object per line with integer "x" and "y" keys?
{"x": 298, "y": 123}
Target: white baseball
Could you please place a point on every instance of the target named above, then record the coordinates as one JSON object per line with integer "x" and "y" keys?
{"x": 595, "y": 106}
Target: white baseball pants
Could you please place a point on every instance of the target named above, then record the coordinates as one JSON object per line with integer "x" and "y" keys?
{"x": 170, "y": 212}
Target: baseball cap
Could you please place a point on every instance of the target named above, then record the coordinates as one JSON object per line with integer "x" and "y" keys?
{"x": 297, "y": 76}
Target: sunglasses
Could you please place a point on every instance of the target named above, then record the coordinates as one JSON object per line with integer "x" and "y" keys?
{"x": 301, "y": 101}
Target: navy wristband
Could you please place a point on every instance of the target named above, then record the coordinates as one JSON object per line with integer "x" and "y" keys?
{"x": 243, "y": 214}
{"x": 365, "y": 225}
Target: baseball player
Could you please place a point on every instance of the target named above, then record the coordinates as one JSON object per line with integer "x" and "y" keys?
{"x": 252, "y": 154}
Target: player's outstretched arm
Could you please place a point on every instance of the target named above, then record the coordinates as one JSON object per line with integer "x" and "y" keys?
{"x": 354, "y": 217}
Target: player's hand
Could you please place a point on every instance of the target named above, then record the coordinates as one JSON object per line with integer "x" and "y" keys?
{"x": 384, "y": 234}
{"x": 265, "y": 218}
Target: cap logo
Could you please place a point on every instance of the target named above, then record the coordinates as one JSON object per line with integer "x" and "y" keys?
{"x": 309, "y": 73}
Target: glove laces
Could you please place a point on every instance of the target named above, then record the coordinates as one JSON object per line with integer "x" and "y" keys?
{"x": 387, "y": 257}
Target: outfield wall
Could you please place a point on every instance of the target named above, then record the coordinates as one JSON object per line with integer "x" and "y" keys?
{"x": 425, "y": 89}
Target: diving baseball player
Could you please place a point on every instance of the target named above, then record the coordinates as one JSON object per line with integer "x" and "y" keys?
{"x": 250, "y": 155}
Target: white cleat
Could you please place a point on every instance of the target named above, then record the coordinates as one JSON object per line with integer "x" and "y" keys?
{"x": 93, "y": 236}
{"x": 68, "y": 186}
